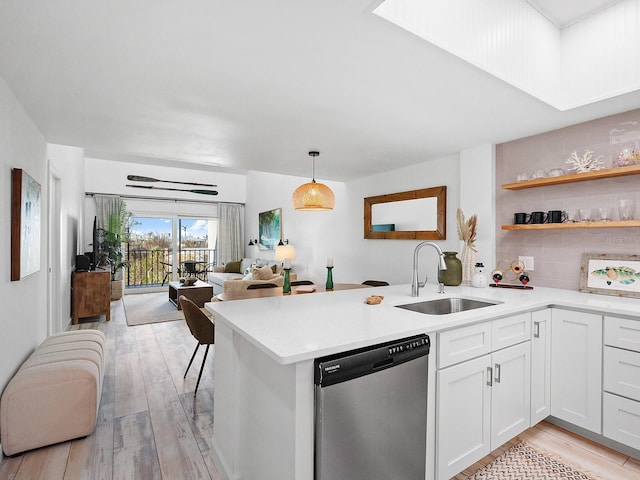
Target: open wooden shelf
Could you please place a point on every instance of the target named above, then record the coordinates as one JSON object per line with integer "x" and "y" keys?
{"x": 574, "y": 177}
{"x": 567, "y": 226}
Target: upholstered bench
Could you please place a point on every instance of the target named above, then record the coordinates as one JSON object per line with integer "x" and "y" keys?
{"x": 55, "y": 394}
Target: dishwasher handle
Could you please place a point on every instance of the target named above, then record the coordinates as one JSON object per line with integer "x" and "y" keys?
{"x": 382, "y": 364}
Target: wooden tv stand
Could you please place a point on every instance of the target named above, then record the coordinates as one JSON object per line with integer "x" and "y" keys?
{"x": 90, "y": 294}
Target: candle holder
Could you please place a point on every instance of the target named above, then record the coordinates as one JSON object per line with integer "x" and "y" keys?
{"x": 286, "y": 283}
{"x": 329, "y": 284}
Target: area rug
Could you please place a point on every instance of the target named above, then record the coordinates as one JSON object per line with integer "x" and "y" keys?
{"x": 150, "y": 308}
{"x": 523, "y": 462}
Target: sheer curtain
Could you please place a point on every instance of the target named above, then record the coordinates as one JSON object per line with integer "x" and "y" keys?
{"x": 110, "y": 212}
{"x": 230, "y": 232}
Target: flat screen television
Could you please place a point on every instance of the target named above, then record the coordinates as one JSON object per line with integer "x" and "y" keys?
{"x": 95, "y": 244}
{"x": 95, "y": 247}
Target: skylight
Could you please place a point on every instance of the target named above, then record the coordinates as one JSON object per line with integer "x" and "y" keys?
{"x": 592, "y": 59}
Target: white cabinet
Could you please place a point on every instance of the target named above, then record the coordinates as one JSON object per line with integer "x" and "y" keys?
{"x": 576, "y": 377}
{"x": 464, "y": 410}
{"x": 484, "y": 401}
{"x": 510, "y": 393}
{"x": 540, "y": 365}
{"x": 621, "y": 397}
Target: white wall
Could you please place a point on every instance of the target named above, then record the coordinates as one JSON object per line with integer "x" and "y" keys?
{"x": 391, "y": 260}
{"x": 477, "y": 196}
{"x": 67, "y": 163}
{"x": 23, "y": 323}
{"x": 110, "y": 177}
{"x": 315, "y": 235}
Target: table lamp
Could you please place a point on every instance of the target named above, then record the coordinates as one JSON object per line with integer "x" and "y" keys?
{"x": 286, "y": 253}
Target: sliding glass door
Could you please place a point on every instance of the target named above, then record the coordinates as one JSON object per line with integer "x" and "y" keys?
{"x": 155, "y": 259}
{"x": 197, "y": 246}
{"x": 150, "y": 251}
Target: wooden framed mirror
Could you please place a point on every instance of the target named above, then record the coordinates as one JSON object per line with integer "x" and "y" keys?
{"x": 413, "y": 215}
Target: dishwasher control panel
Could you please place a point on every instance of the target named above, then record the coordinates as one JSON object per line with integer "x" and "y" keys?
{"x": 422, "y": 342}
{"x": 355, "y": 363}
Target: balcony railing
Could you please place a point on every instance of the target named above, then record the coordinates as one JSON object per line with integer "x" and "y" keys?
{"x": 148, "y": 268}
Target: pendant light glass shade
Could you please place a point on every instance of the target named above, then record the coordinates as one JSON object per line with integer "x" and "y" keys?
{"x": 313, "y": 196}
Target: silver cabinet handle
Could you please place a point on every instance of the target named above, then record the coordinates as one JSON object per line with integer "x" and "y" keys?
{"x": 497, "y": 370}
{"x": 536, "y": 329}
{"x": 489, "y": 376}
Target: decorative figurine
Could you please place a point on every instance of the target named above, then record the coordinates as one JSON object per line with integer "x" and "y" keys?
{"x": 479, "y": 279}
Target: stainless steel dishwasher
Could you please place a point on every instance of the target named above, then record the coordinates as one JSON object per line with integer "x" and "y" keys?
{"x": 371, "y": 412}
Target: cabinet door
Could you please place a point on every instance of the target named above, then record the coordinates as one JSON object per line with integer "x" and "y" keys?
{"x": 511, "y": 393}
{"x": 576, "y": 377}
{"x": 463, "y": 422}
{"x": 540, "y": 366}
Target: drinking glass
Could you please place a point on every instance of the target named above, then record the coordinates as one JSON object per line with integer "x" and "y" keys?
{"x": 571, "y": 216}
{"x": 626, "y": 208}
{"x": 585, "y": 214}
{"x": 604, "y": 214}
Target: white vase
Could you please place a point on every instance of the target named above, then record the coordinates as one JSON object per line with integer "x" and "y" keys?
{"x": 468, "y": 259}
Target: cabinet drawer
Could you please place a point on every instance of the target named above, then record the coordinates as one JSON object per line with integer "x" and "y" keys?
{"x": 622, "y": 372}
{"x": 621, "y": 420}
{"x": 463, "y": 344}
{"x": 622, "y": 332}
{"x": 510, "y": 331}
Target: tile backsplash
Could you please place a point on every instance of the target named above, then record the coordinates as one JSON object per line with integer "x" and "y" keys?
{"x": 557, "y": 253}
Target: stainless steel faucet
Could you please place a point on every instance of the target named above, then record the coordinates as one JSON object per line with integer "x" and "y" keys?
{"x": 415, "y": 284}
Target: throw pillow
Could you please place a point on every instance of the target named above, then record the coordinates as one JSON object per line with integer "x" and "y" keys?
{"x": 248, "y": 276}
{"x": 262, "y": 273}
{"x": 232, "y": 267}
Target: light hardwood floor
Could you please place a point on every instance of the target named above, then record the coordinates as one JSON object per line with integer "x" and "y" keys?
{"x": 576, "y": 451}
{"x": 151, "y": 427}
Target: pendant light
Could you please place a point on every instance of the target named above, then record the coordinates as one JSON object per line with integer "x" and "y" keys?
{"x": 313, "y": 196}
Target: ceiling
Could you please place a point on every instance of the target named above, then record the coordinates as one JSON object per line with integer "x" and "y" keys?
{"x": 256, "y": 84}
{"x": 563, "y": 13}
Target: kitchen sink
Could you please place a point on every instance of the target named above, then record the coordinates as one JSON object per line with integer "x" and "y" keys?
{"x": 445, "y": 306}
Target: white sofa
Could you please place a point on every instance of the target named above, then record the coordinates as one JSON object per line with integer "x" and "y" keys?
{"x": 223, "y": 281}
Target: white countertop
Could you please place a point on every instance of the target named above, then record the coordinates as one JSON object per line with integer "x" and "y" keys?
{"x": 295, "y": 328}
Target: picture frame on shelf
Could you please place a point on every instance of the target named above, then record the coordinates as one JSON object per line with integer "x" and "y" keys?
{"x": 610, "y": 274}
{"x": 25, "y": 224}
{"x": 269, "y": 229}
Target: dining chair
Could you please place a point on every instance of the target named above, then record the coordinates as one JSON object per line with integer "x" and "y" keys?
{"x": 203, "y": 330}
{"x": 253, "y": 286}
{"x": 197, "y": 269}
{"x": 375, "y": 283}
{"x": 167, "y": 271}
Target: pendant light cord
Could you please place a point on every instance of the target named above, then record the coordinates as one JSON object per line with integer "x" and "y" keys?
{"x": 313, "y": 156}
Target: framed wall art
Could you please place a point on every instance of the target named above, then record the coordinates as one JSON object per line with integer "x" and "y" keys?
{"x": 610, "y": 274}
{"x": 269, "y": 229}
{"x": 25, "y": 224}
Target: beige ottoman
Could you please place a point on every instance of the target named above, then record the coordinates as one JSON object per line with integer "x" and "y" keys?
{"x": 55, "y": 395}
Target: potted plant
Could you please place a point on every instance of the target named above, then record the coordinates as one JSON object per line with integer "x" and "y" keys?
{"x": 112, "y": 239}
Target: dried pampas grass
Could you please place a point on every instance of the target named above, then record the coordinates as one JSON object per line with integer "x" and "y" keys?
{"x": 467, "y": 230}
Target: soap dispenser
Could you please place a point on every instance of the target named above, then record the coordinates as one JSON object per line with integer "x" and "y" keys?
{"x": 479, "y": 279}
